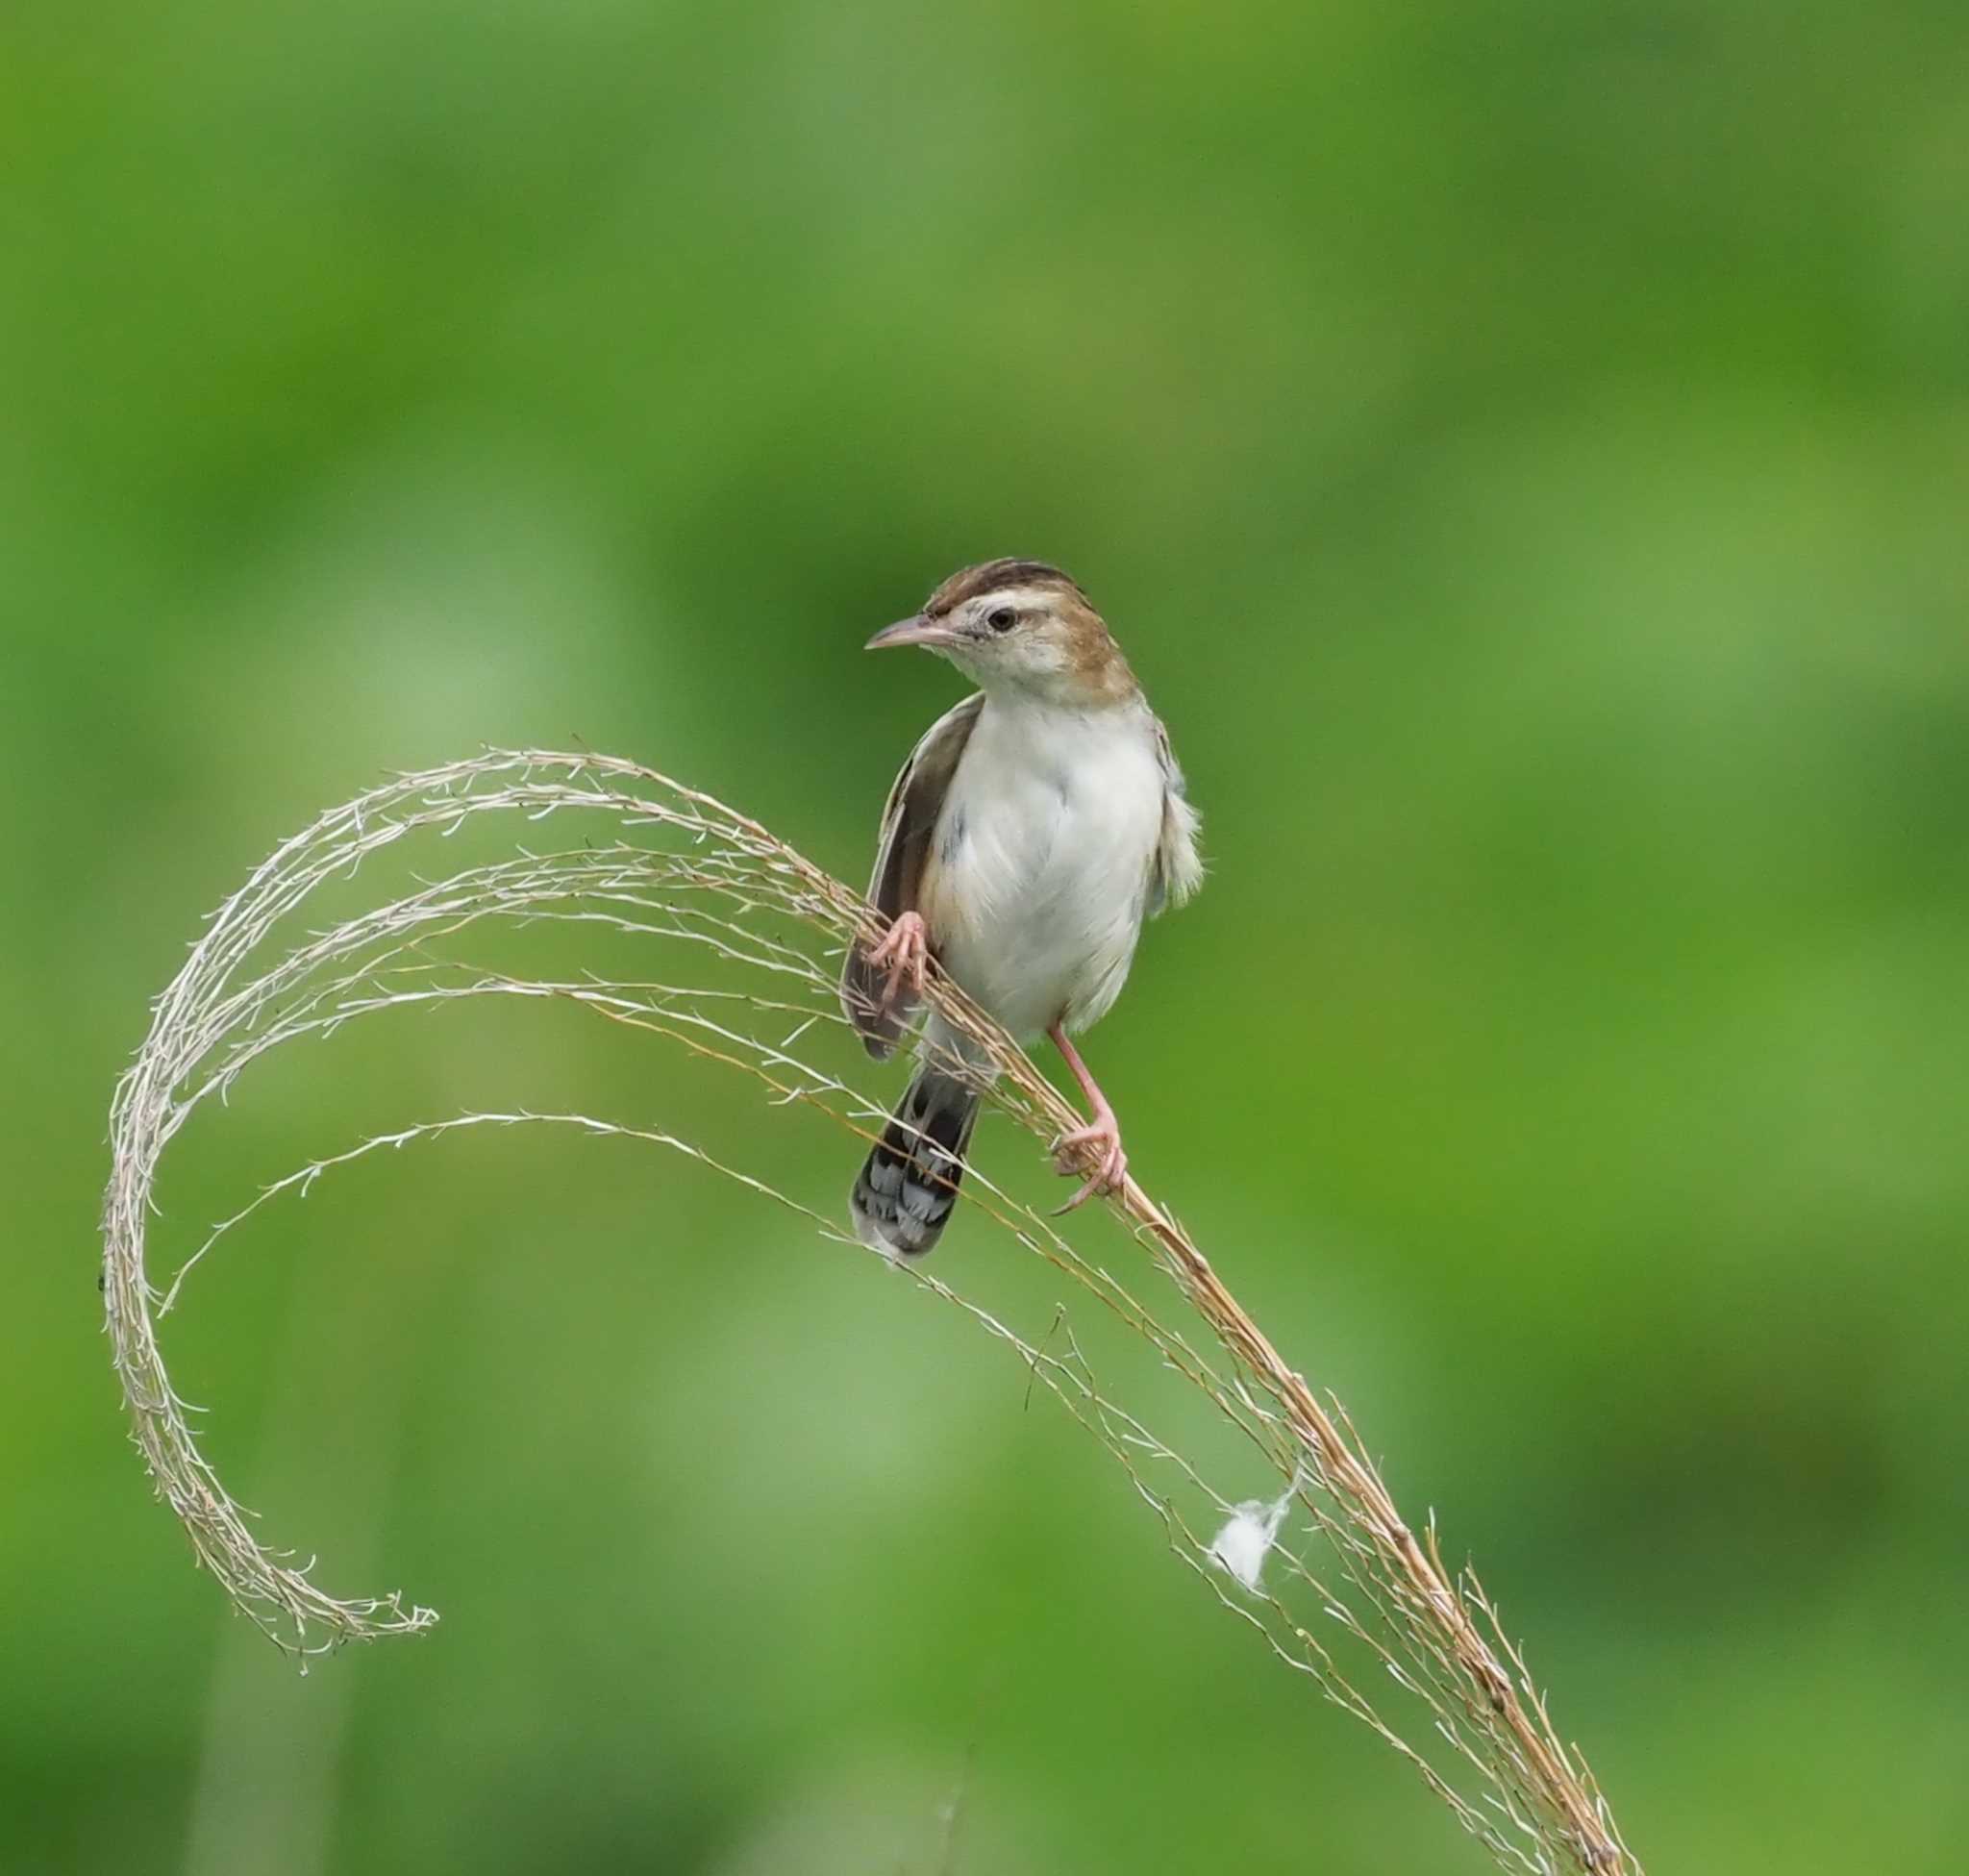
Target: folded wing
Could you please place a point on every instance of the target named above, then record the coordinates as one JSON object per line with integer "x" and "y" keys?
{"x": 1177, "y": 870}
{"x": 908, "y": 823}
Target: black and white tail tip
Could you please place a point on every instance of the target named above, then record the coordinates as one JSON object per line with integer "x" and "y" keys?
{"x": 909, "y": 1183}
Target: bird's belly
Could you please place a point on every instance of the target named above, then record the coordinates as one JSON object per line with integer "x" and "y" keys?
{"x": 1035, "y": 895}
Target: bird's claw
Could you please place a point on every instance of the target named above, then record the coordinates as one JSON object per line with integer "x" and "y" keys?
{"x": 1095, "y": 1153}
{"x": 904, "y": 954}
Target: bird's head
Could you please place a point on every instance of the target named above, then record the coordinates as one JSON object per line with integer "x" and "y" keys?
{"x": 1016, "y": 626}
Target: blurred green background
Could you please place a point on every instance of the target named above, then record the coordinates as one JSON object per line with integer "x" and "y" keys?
{"x": 1523, "y": 450}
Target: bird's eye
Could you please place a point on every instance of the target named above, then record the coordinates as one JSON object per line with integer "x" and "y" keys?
{"x": 1001, "y": 619}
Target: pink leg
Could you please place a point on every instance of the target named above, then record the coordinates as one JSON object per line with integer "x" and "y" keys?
{"x": 1103, "y": 1138}
{"x": 905, "y": 953}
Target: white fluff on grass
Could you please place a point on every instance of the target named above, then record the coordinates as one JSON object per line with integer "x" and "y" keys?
{"x": 1243, "y": 1544}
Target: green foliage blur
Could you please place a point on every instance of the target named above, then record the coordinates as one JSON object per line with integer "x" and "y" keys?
{"x": 1523, "y": 449}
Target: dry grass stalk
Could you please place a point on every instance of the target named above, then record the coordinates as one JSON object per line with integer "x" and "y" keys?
{"x": 681, "y": 866}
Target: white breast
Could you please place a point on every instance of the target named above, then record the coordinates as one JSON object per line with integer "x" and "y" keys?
{"x": 1039, "y": 868}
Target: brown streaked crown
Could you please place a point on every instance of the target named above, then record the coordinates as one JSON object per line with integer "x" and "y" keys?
{"x": 990, "y": 575}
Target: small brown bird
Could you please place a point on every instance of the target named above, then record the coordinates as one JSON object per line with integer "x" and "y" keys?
{"x": 1028, "y": 837}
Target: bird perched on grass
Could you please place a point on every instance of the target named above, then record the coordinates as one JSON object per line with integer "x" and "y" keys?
{"x": 1026, "y": 838}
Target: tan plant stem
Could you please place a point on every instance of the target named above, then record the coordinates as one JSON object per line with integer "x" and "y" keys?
{"x": 1358, "y": 1481}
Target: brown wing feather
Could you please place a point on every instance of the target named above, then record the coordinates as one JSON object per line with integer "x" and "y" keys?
{"x": 907, "y": 823}
{"x": 1176, "y": 869}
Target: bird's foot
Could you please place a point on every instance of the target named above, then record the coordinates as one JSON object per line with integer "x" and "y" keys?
{"x": 1093, "y": 1152}
{"x": 904, "y": 954}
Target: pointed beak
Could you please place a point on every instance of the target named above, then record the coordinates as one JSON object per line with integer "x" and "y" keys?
{"x": 915, "y": 630}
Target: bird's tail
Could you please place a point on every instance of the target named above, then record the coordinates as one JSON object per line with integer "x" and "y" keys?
{"x": 909, "y": 1183}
